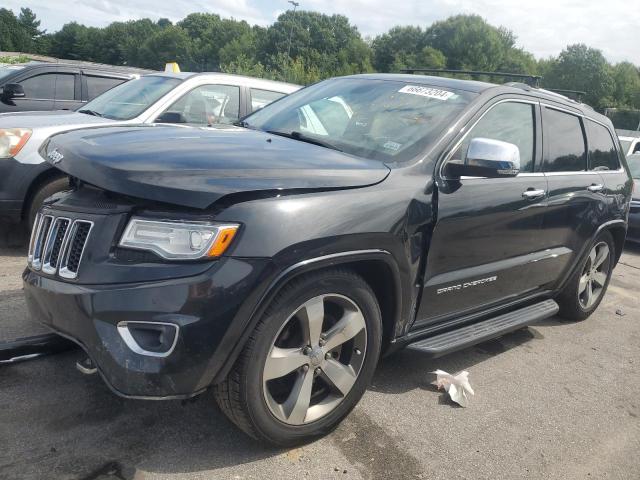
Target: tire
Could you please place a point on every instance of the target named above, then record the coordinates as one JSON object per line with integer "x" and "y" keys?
{"x": 45, "y": 191}
{"x": 593, "y": 275}
{"x": 270, "y": 410}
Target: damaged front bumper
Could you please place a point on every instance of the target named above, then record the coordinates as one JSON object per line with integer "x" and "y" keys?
{"x": 154, "y": 340}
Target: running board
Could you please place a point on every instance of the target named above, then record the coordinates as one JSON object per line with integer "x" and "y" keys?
{"x": 460, "y": 338}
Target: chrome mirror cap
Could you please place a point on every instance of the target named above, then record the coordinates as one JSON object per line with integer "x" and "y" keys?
{"x": 502, "y": 157}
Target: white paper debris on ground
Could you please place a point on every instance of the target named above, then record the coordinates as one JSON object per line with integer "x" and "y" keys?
{"x": 456, "y": 385}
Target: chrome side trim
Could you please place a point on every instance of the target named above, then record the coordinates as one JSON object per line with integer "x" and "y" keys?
{"x": 123, "y": 330}
{"x": 609, "y": 223}
{"x": 311, "y": 261}
{"x": 64, "y": 272}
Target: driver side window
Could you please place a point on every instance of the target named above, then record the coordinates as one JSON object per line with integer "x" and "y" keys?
{"x": 205, "y": 105}
{"x": 511, "y": 122}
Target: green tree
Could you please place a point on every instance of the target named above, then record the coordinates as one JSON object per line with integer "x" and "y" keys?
{"x": 397, "y": 48}
{"x": 170, "y": 44}
{"x": 72, "y": 41}
{"x": 470, "y": 43}
{"x": 579, "y": 67}
{"x": 27, "y": 19}
{"x": 626, "y": 77}
{"x": 13, "y": 36}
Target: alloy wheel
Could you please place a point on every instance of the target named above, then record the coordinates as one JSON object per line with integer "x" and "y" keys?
{"x": 315, "y": 359}
{"x": 594, "y": 275}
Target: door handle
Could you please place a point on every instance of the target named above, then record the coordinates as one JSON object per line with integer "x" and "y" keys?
{"x": 533, "y": 193}
{"x": 595, "y": 187}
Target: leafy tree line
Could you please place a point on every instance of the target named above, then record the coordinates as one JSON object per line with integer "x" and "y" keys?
{"x": 304, "y": 47}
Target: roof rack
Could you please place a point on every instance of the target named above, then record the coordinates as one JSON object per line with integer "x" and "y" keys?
{"x": 531, "y": 80}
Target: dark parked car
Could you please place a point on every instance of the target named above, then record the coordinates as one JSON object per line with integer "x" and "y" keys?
{"x": 56, "y": 86}
{"x": 634, "y": 211}
{"x": 276, "y": 260}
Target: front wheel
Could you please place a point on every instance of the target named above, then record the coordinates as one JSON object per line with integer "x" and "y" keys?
{"x": 308, "y": 361}
{"x": 45, "y": 191}
{"x": 585, "y": 290}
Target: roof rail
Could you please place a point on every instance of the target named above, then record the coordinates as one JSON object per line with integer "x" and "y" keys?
{"x": 578, "y": 93}
{"x": 531, "y": 80}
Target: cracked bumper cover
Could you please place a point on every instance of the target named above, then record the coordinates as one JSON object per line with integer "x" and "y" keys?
{"x": 203, "y": 307}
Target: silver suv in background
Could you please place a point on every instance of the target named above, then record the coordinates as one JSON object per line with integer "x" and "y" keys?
{"x": 196, "y": 99}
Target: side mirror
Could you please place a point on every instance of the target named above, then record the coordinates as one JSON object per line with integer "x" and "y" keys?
{"x": 487, "y": 158}
{"x": 13, "y": 90}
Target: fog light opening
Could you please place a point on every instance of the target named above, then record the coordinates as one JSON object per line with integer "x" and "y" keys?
{"x": 153, "y": 339}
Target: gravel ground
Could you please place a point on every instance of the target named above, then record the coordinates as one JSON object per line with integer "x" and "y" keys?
{"x": 553, "y": 401}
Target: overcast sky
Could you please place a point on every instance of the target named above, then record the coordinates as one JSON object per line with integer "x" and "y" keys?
{"x": 543, "y": 27}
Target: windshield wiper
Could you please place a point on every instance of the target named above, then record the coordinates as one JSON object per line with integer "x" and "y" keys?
{"x": 91, "y": 112}
{"x": 304, "y": 138}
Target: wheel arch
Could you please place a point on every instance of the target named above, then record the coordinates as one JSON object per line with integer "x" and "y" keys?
{"x": 377, "y": 267}
{"x": 38, "y": 182}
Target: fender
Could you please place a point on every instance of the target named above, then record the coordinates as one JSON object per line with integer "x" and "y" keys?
{"x": 585, "y": 250}
{"x": 295, "y": 270}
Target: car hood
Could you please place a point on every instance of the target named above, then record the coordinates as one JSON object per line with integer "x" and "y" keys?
{"x": 56, "y": 118}
{"x": 194, "y": 167}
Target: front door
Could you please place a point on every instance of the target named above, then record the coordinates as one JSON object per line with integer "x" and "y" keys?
{"x": 485, "y": 244}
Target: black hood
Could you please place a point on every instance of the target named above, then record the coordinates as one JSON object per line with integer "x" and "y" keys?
{"x": 194, "y": 167}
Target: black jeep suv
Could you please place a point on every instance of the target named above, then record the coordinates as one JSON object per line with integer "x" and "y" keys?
{"x": 275, "y": 260}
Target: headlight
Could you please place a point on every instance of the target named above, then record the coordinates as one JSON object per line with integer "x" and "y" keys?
{"x": 176, "y": 240}
{"x": 12, "y": 140}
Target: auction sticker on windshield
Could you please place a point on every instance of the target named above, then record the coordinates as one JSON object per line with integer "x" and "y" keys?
{"x": 427, "y": 92}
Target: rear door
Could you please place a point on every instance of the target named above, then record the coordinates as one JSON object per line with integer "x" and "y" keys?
{"x": 485, "y": 248}
{"x": 67, "y": 89}
{"x": 577, "y": 201}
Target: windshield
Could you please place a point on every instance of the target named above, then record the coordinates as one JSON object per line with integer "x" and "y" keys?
{"x": 130, "y": 99}
{"x": 384, "y": 120}
{"x": 8, "y": 70}
{"x": 634, "y": 165}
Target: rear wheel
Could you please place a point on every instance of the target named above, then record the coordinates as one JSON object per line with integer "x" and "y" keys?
{"x": 584, "y": 292}
{"x": 308, "y": 361}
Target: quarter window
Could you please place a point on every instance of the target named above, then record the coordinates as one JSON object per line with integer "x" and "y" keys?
{"x": 261, "y": 98}
{"x": 511, "y": 122}
{"x": 602, "y": 150}
{"x": 98, "y": 85}
{"x": 205, "y": 105}
{"x": 565, "y": 143}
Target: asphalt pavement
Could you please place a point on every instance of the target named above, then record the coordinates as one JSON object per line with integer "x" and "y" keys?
{"x": 556, "y": 400}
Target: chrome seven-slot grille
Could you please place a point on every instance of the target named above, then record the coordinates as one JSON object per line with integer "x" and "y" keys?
{"x": 57, "y": 244}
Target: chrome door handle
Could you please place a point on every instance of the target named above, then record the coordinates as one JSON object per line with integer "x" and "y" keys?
{"x": 595, "y": 187}
{"x": 530, "y": 194}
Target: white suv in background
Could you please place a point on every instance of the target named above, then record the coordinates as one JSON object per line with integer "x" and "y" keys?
{"x": 197, "y": 99}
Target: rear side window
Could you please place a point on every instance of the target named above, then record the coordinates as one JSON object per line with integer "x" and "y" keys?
{"x": 511, "y": 122}
{"x": 565, "y": 143}
{"x": 65, "y": 86}
{"x": 261, "y": 98}
{"x": 98, "y": 85}
{"x": 40, "y": 86}
{"x": 602, "y": 149}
